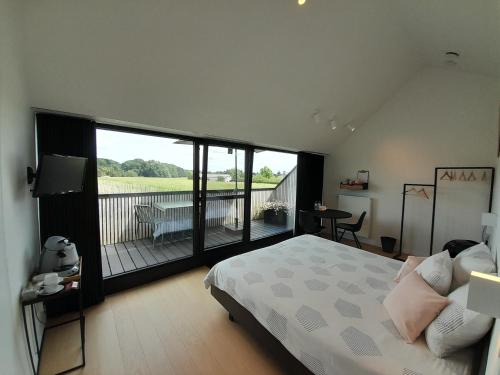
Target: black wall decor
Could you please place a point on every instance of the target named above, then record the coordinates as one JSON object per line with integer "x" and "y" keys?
{"x": 75, "y": 215}
{"x": 309, "y": 182}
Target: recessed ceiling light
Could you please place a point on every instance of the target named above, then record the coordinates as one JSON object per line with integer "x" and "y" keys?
{"x": 301, "y": 2}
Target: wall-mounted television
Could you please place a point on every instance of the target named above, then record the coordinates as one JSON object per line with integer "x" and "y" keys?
{"x": 59, "y": 174}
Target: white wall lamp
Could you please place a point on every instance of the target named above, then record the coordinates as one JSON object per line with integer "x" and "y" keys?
{"x": 301, "y": 2}
{"x": 484, "y": 294}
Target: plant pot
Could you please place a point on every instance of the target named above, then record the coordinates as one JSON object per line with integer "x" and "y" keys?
{"x": 275, "y": 218}
{"x": 388, "y": 244}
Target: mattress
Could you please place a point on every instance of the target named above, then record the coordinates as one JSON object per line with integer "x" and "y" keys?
{"x": 323, "y": 301}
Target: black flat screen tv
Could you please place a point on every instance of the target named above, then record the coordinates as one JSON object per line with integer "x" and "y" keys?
{"x": 59, "y": 174}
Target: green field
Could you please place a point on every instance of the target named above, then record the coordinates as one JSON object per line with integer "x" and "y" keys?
{"x": 117, "y": 185}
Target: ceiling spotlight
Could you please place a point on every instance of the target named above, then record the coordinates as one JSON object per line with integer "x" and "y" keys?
{"x": 316, "y": 116}
{"x": 333, "y": 123}
{"x": 350, "y": 127}
{"x": 301, "y": 2}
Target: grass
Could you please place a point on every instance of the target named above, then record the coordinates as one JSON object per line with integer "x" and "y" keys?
{"x": 117, "y": 185}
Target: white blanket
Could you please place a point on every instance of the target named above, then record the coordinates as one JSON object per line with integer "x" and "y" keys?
{"x": 323, "y": 301}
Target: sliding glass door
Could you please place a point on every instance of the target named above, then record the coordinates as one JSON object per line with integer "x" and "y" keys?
{"x": 222, "y": 173}
{"x": 146, "y": 200}
{"x": 164, "y": 199}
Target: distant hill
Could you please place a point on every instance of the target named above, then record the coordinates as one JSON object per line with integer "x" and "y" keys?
{"x": 139, "y": 167}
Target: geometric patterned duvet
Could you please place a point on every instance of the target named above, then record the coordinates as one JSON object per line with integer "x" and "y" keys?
{"x": 323, "y": 301}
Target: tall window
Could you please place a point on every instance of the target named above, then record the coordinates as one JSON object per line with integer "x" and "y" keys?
{"x": 145, "y": 200}
{"x": 274, "y": 182}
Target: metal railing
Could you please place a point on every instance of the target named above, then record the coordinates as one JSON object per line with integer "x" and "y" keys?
{"x": 118, "y": 222}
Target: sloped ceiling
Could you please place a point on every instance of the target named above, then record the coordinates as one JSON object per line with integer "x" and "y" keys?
{"x": 471, "y": 28}
{"x": 248, "y": 70}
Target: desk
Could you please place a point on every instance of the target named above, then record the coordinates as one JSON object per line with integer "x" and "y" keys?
{"x": 164, "y": 206}
{"x": 25, "y": 303}
{"x": 333, "y": 215}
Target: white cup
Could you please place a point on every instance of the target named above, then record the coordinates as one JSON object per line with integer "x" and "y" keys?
{"x": 50, "y": 282}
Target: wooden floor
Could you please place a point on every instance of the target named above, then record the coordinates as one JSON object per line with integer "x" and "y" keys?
{"x": 173, "y": 326}
{"x": 133, "y": 255}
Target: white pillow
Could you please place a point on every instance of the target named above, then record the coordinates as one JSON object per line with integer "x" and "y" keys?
{"x": 476, "y": 258}
{"x": 437, "y": 271}
{"x": 456, "y": 327}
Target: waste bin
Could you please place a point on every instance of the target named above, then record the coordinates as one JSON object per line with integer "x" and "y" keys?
{"x": 388, "y": 244}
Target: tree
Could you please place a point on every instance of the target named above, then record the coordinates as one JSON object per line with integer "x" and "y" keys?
{"x": 266, "y": 172}
{"x": 231, "y": 172}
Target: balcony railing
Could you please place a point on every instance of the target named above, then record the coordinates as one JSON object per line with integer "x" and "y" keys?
{"x": 118, "y": 222}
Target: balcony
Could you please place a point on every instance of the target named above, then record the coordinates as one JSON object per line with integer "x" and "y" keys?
{"x": 127, "y": 246}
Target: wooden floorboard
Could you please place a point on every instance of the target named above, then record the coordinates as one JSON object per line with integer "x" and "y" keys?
{"x": 127, "y": 263}
{"x": 136, "y": 256}
{"x": 132, "y": 255}
{"x": 115, "y": 264}
{"x": 172, "y": 326}
{"x": 105, "y": 264}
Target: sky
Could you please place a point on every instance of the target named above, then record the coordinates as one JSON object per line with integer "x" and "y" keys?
{"x": 121, "y": 146}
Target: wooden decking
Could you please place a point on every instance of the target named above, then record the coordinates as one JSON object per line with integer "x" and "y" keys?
{"x": 129, "y": 256}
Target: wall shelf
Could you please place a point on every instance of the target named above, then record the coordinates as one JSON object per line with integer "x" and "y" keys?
{"x": 354, "y": 186}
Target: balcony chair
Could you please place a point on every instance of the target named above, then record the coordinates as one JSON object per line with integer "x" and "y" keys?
{"x": 353, "y": 228}
{"x": 308, "y": 223}
{"x": 144, "y": 214}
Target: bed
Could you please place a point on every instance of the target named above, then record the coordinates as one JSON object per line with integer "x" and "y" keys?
{"x": 318, "y": 305}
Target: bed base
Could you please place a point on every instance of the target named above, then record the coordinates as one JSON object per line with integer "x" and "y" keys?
{"x": 271, "y": 344}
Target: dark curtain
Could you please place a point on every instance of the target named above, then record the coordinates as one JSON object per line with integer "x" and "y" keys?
{"x": 75, "y": 216}
{"x": 309, "y": 183}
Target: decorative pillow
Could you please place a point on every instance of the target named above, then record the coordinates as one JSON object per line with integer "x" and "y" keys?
{"x": 437, "y": 271}
{"x": 476, "y": 258}
{"x": 408, "y": 267}
{"x": 456, "y": 327}
{"x": 412, "y": 305}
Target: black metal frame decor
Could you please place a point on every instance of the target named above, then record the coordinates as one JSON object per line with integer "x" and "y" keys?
{"x": 436, "y": 170}
{"x": 398, "y": 255}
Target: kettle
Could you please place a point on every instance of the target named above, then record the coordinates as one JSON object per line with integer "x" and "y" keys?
{"x": 68, "y": 256}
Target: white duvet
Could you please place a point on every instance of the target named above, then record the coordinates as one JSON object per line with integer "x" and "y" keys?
{"x": 323, "y": 301}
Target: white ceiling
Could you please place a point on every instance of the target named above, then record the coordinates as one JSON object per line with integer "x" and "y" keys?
{"x": 470, "y": 27}
{"x": 249, "y": 70}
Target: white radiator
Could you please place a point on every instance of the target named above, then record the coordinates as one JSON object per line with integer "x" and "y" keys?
{"x": 356, "y": 205}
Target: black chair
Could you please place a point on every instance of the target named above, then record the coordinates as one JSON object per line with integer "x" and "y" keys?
{"x": 353, "y": 228}
{"x": 308, "y": 223}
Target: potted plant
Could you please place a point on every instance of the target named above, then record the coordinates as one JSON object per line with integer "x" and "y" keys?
{"x": 275, "y": 213}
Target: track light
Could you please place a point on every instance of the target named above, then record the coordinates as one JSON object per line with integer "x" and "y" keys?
{"x": 316, "y": 116}
{"x": 350, "y": 127}
{"x": 333, "y": 123}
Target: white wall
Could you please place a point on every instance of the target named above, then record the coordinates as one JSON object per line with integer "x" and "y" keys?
{"x": 18, "y": 229}
{"x": 493, "y": 367}
{"x": 441, "y": 117}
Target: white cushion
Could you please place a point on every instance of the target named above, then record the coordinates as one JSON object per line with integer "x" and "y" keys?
{"x": 456, "y": 327}
{"x": 476, "y": 258}
{"x": 437, "y": 271}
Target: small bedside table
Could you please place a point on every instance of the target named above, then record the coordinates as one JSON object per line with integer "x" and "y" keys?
{"x": 30, "y": 303}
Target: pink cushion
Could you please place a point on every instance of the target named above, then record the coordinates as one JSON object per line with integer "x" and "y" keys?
{"x": 408, "y": 267}
{"x": 413, "y": 305}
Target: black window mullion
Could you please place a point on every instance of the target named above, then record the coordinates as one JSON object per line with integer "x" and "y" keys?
{"x": 249, "y": 153}
{"x": 197, "y": 224}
